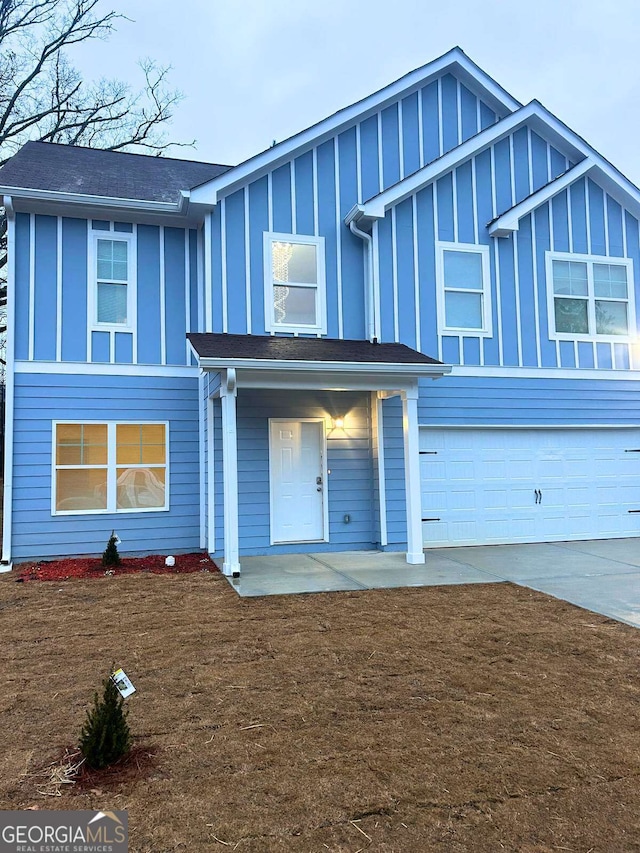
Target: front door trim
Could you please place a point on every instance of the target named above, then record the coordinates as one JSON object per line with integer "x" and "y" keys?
{"x": 325, "y": 483}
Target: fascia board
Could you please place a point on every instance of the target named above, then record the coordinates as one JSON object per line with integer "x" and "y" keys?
{"x": 350, "y": 367}
{"x": 454, "y": 60}
{"x": 509, "y": 221}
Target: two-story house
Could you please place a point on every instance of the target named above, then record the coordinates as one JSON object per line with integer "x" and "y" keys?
{"x": 413, "y": 324}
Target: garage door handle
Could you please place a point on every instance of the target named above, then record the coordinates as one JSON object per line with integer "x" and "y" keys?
{"x": 538, "y": 495}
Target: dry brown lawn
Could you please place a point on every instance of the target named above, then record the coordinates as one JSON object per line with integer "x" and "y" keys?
{"x": 472, "y": 718}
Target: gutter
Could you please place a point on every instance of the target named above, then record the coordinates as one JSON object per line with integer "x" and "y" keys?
{"x": 5, "y": 560}
{"x": 372, "y": 319}
{"x": 349, "y": 367}
{"x": 179, "y": 207}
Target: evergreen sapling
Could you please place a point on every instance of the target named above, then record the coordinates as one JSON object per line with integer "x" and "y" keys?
{"x": 105, "y": 735}
{"x": 111, "y": 556}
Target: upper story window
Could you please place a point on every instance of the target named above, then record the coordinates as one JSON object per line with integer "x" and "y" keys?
{"x": 294, "y": 284}
{"x": 589, "y": 297}
{"x": 112, "y": 266}
{"x": 464, "y": 289}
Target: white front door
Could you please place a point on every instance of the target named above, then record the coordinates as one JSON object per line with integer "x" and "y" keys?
{"x": 297, "y": 480}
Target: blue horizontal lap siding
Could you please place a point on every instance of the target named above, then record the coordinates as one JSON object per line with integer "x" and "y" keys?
{"x": 495, "y": 401}
{"x": 40, "y": 399}
{"x": 350, "y": 483}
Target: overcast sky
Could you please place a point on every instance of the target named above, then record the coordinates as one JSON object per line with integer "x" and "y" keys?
{"x": 257, "y": 70}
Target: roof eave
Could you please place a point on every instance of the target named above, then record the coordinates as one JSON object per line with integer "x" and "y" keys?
{"x": 349, "y": 367}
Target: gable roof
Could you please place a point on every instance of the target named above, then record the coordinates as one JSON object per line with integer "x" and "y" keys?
{"x": 454, "y": 61}
{"x": 535, "y": 116}
{"x": 66, "y": 169}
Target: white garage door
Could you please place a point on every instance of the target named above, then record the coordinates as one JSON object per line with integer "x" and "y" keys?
{"x": 491, "y": 486}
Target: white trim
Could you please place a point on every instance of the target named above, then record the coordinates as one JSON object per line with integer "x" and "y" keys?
{"x": 208, "y": 276}
{"x": 516, "y": 282}
{"x": 412, "y": 479}
{"x": 223, "y": 262}
{"x": 111, "y": 466}
{"x": 163, "y": 303}
{"x": 314, "y": 186}
{"x": 375, "y": 250}
{"x": 321, "y": 422}
{"x": 228, "y": 392}
{"x": 399, "y": 112}
{"x": 32, "y": 282}
{"x": 286, "y": 367}
{"x": 454, "y": 61}
{"x": 211, "y": 494}
{"x": 270, "y": 200}
{"x": 5, "y": 563}
{"x": 358, "y": 165}
{"x": 377, "y": 438}
{"x": 247, "y": 256}
{"x": 58, "y": 288}
{"x": 482, "y": 426}
{"x": 416, "y": 271}
{"x": 587, "y": 213}
{"x": 509, "y": 221}
{"x": 202, "y": 412}
{"x": 420, "y": 130}
{"x": 320, "y": 327}
{"x": 487, "y": 314}
{"x": 292, "y": 196}
{"x": 394, "y": 275}
{"x": 591, "y": 298}
{"x": 579, "y": 373}
{"x": 187, "y": 288}
{"x": 380, "y": 160}
{"x": 458, "y": 111}
{"x": 81, "y": 368}
{"x": 440, "y": 123}
{"x": 454, "y": 203}
{"x": 536, "y": 305}
{"x": 336, "y": 164}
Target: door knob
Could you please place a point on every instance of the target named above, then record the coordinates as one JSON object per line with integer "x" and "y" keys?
{"x": 318, "y": 481}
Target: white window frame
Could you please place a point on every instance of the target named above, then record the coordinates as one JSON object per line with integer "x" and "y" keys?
{"x": 591, "y": 298}
{"x": 487, "y": 312}
{"x": 111, "y": 467}
{"x": 319, "y": 328}
{"x": 92, "y": 278}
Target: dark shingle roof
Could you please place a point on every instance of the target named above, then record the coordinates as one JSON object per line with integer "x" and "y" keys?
{"x": 211, "y": 345}
{"x": 91, "y": 171}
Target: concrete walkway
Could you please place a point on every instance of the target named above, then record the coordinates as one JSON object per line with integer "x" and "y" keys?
{"x": 599, "y": 575}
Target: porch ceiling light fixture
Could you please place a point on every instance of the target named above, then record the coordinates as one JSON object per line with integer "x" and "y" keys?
{"x": 338, "y": 423}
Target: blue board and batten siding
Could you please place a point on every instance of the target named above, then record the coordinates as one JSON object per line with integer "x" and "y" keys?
{"x": 52, "y": 280}
{"x": 312, "y": 193}
{"x": 41, "y": 399}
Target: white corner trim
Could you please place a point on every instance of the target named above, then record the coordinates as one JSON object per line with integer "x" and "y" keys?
{"x": 509, "y": 221}
{"x": 5, "y": 562}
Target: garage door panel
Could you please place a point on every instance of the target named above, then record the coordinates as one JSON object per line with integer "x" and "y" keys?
{"x": 481, "y": 484}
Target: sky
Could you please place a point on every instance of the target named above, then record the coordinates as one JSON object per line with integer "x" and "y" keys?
{"x": 257, "y": 70}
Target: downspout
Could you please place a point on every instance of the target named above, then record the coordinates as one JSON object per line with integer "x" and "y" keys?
{"x": 372, "y": 320}
{"x": 5, "y": 560}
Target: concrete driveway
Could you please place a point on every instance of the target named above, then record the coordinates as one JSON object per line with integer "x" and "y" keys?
{"x": 599, "y": 575}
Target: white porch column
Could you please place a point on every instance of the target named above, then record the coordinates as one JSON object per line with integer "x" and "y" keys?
{"x": 415, "y": 554}
{"x": 228, "y": 395}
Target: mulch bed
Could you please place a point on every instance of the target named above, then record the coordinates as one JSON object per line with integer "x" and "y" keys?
{"x": 91, "y": 567}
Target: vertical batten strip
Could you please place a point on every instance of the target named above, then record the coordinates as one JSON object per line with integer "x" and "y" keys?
{"x": 632, "y": 349}
{"x": 292, "y": 194}
{"x": 478, "y": 115}
{"x": 454, "y": 200}
{"x": 461, "y": 350}
{"x": 512, "y": 171}
{"x": 380, "y": 161}
{"x": 536, "y": 306}
{"x": 201, "y": 448}
{"x": 416, "y": 273}
{"x": 587, "y": 213}
{"x": 112, "y": 347}
{"x": 530, "y": 161}
{"x": 336, "y": 159}
{"x": 358, "y": 165}
{"x": 548, "y": 160}
{"x": 58, "y": 288}
{"x": 314, "y": 181}
{"x": 420, "y": 130}
{"x": 606, "y": 224}
{"x": 552, "y": 246}
{"x": 134, "y": 301}
{"x": 32, "y": 282}
{"x": 400, "y": 139}
{"x": 223, "y": 261}
{"x": 208, "y": 278}
{"x": 440, "y": 128}
{"x": 247, "y": 256}
{"x": 516, "y": 284}
{"x": 394, "y": 273}
{"x": 570, "y": 218}
{"x": 492, "y": 159}
{"x": 376, "y": 281}
{"x": 436, "y": 232}
{"x": 270, "y": 200}
{"x": 496, "y": 255}
{"x": 459, "y": 112}
{"x": 163, "y": 302}
{"x": 187, "y": 291}
{"x": 474, "y": 199}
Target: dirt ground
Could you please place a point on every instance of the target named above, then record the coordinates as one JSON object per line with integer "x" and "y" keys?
{"x": 471, "y": 718}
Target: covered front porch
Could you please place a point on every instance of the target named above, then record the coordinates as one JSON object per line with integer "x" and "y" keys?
{"x": 306, "y": 453}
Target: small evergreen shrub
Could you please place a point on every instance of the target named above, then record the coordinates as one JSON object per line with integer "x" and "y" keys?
{"x": 105, "y": 735}
{"x": 111, "y": 556}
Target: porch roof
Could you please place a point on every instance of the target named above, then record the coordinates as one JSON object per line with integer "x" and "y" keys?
{"x": 272, "y": 352}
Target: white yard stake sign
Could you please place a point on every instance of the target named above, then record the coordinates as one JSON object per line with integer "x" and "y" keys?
{"x": 123, "y": 683}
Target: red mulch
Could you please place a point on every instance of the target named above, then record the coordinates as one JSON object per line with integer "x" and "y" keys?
{"x": 91, "y": 567}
